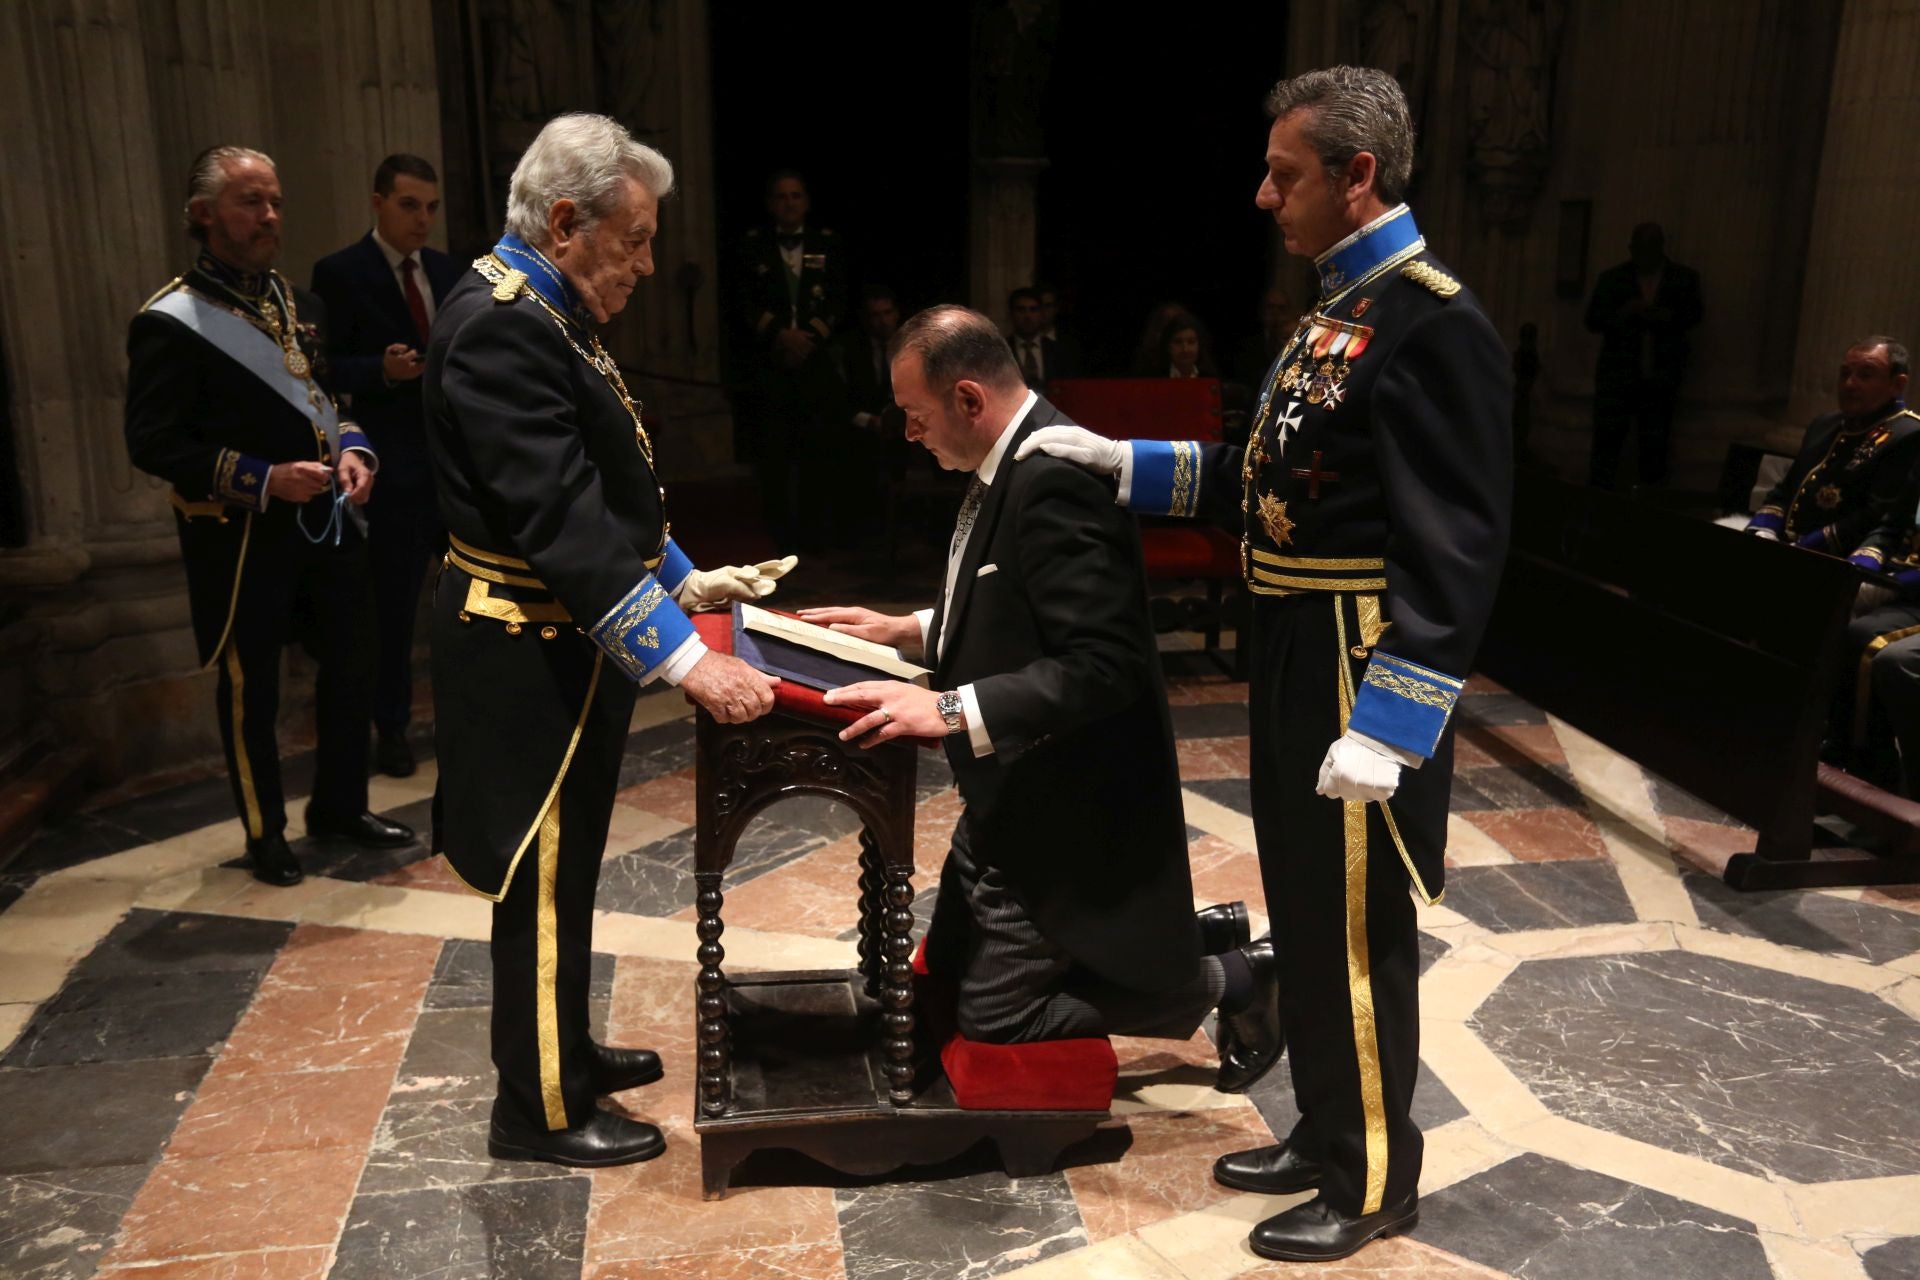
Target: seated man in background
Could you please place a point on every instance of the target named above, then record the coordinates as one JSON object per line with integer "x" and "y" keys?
{"x": 1066, "y": 906}
{"x": 1853, "y": 465}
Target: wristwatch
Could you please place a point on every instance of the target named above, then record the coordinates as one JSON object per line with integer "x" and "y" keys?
{"x": 949, "y": 707}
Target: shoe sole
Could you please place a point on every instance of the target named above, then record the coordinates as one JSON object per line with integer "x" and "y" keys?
{"x": 1270, "y": 1188}
{"x": 1251, "y": 1080}
{"x": 510, "y": 1151}
{"x": 1397, "y": 1227}
{"x": 633, "y": 1084}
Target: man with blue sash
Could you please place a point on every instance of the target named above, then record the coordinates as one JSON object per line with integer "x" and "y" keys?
{"x": 561, "y": 594}
{"x": 1373, "y": 499}
{"x": 223, "y": 402}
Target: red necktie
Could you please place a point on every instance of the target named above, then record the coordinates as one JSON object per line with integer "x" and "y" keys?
{"x": 415, "y": 303}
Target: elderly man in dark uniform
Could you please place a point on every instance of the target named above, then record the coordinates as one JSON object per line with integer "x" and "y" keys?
{"x": 381, "y": 293}
{"x": 1374, "y": 500}
{"x": 561, "y": 594}
{"x": 268, "y": 482}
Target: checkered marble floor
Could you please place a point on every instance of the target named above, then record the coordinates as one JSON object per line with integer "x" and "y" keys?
{"x": 1629, "y": 1070}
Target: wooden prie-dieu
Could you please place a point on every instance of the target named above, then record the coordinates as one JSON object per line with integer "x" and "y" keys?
{"x": 826, "y": 1062}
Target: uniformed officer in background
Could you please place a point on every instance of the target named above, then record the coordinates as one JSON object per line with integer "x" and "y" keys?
{"x": 268, "y": 482}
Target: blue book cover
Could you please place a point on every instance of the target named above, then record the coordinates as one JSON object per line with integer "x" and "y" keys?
{"x": 792, "y": 659}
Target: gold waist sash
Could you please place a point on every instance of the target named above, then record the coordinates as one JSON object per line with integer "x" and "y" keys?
{"x": 1270, "y": 574}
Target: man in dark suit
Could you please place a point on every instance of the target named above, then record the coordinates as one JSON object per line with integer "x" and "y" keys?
{"x": 223, "y": 402}
{"x": 874, "y": 454}
{"x": 381, "y": 293}
{"x": 790, "y": 296}
{"x": 1643, "y": 309}
{"x": 1040, "y": 358}
{"x": 1065, "y": 904}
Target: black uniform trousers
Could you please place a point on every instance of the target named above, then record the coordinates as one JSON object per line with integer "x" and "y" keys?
{"x": 800, "y": 450}
{"x": 1339, "y": 901}
{"x": 291, "y": 589}
{"x": 403, "y": 536}
{"x": 1644, "y": 408}
{"x": 1877, "y": 698}
{"x": 1016, "y": 985}
{"x": 543, "y": 927}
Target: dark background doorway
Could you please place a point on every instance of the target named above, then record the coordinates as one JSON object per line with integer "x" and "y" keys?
{"x": 1155, "y": 134}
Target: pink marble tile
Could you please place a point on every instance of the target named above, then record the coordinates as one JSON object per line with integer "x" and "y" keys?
{"x": 1707, "y": 845}
{"x": 1477, "y": 683}
{"x": 291, "y": 1028}
{"x": 1213, "y": 758}
{"x": 240, "y": 1202}
{"x": 1542, "y": 835}
{"x": 326, "y": 956}
{"x": 236, "y": 1112}
{"x": 428, "y": 873}
{"x": 818, "y": 895}
{"x": 276, "y": 1264}
{"x": 1201, "y": 691}
{"x": 671, "y": 796}
{"x": 793, "y": 1262}
{"x": 1397, "y": 1257}
{"x": 1510, "y": 744}
{"x": 1167, "y": 1171}
{"x": 652, "y": 1211}
{"x": 1224, "y": 872}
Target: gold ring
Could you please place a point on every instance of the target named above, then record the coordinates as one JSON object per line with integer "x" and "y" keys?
{"x": 886, "y": 716}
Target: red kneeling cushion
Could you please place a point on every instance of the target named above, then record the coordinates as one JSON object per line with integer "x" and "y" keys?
{"x": 1042, "y": 1075}
{"x": 1189, "y": 551}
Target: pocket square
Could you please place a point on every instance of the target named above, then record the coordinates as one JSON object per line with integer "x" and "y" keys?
{"x": 986, "y": 569}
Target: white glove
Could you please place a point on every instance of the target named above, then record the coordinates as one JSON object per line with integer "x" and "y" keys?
{"x": 1355, "y": 771}
{"x": 714, "y": 588}
{"x": 1769, "y": 534}
{"x": 1078, "y": 446}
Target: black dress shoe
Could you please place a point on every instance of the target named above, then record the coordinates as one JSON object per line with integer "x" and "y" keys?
{"x": 603, "y": 1141}
{"x": 614, "y": 1070}
{"x": 1223, "y": 928}
{"x": 273, "y": 862}
{"x": 393, "y": 757}
{"x": 1277, "y": 1170}
{"x": 1318, "y": 1232}
{"x": 362, "y": 828}
{"x": 1252, "y": 1039}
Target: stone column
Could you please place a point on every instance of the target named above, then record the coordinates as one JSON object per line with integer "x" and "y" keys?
{"x": 1012, "y": 56}
{"x": 1862, "y": 274}
{"x": 1003, "y": 229}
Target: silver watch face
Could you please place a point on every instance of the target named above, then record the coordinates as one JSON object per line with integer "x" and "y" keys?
{"x": 948, "y": 704}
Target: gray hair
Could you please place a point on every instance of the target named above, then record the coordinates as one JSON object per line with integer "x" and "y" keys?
{"x": 586, "y": 159}
{"x": 1350, "y": 110}
{"x": 208, "y": 178}
{"x": 955, "y": 342}
{"x": 1899, "y": 361}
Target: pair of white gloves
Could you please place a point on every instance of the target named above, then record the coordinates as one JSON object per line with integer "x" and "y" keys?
{"x": 717, "y": 588}
{"x": 1356, "y": 767}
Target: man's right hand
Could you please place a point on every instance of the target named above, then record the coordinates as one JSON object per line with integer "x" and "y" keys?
{"x": 731, "y": 691}
{"x": 865, "y": 624}
{"x": 298, "y": 481}
{"x": 401, "y": 363}
{"x": 1078, "y": 446}
{"x": 793, "y": 346}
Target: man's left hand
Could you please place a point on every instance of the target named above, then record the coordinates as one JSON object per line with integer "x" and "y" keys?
{"x": 900, "y": 710}
{"x": 715, "y": 588}
{"x": 1355, "y": 771}
{"x": 356, "y": 477}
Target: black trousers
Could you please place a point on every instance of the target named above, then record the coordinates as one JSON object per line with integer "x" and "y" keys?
{"x": 543, "y": 929}
{"x": 403, "y": 537}
{"x": 1877, "y": 698}
{"x": 1645, "y": 409}
{"x": 1016, "y": 985}
{"x": 1338, "y": 896}
{"x": 290, "y": 589}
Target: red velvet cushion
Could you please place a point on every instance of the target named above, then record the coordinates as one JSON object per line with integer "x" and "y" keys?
{"x": 1043, "y": 1075}
{"x": 1189, "y": 552}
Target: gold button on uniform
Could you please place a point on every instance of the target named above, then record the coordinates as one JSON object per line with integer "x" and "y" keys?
{"x": 513, "y": 628}
{"x": 548, "y": 633}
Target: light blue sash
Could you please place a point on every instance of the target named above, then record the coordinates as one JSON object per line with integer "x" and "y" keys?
{"x": 258, "y": 354}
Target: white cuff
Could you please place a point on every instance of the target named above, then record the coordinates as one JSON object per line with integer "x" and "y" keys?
{"x": 682, "y": 660}
{"x": 925, "y": 618}
{"x": 977, "y": 734}
{"x": 1405, "y": 757}
{"x": 266, "y": 482}
{"x": 1126, "y": 476}
{"x": 373, "y": 459}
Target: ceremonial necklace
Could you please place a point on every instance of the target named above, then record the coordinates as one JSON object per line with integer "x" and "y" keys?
{"x": 263, "y": 315}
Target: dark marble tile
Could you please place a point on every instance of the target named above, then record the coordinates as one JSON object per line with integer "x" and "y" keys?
{"x": 72, "y": 840}
{"x": 130, "y": 1016}
{"x": 1431, "y": 949}
{"x": 193, "y": 805}
{"x": 974, "y": 1225}
{"x": 1498, "y": 708}
{"x": 463, "y": 977}
{"x": 1433, "y": 1103}
{"x": 1210, "y": 720}
{"x": 53, "y": 1226}
{"x": 1462, "y": 797}
{"x": 1674, "y": 802}
{"x": 150, "y": 942}
{"x": 450, "y": 1056}
{"x": 1528, "y": 786}
{"x": 437, "y": 1144}
{"x": 924, "y": 896}
{"x": 1768, "y": 1073}
{"x": 529, "y": 1230}
{"x": 10, "y": 891}
{"x": 1894, "y": 1260}
{"x": 1235, "y": 793}
{"x": 1538, "y": 1219}
{"x": 1539, "y": 895}
{"x": 1809, "y": 920}
{"x": 815, "y": 815}
{"x": 657, "y": 752}
{"x": 91, "y": 1115}
{"x": 657, "y": 879}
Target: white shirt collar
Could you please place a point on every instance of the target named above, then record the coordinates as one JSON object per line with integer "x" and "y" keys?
{"x": 991, "y": 465}
{"x": 393, "y": 256}
{"x": 1380, "y": 221}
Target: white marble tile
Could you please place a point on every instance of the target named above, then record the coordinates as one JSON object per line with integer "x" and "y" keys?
{"x": 1843, "y": 971}
{"x": 13, "y": 1020}
{"x": 659, "y": 707}
{"x": 1905, "y": 996}
{"x": 1794, "y": 1259}
{"x": 1868, "y": 1207}
{"x": 1167, "y": 1096}
{"x": 1211, "y": 1243}
{"x": 1469, "y": 846}
{"x": 1120, "y": 1258}
{"x": 27, "y": 977}
{"x": 1906, "y": 964}
{"x": 1435, "y": 917}
{"x": 1217, "y": 819}
{"x": 1474, "y": 1074}
{"x": 747, "y": 949}
{"x": 633, "y": 827}
{"x": 1460, "y": 980}
{"x": 1586, "y": 940}
{"x": 1457, "y": 1151}
{"x": 61, "y": 916}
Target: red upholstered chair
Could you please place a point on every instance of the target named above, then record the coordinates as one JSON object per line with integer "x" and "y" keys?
{"x": 1175, "y": 550}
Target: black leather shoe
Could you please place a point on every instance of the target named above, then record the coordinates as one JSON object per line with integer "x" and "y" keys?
{"x": 613, "y": 1070}
{"x": 604, "y": 1140}
{"x": 1223, "y": 928}
{"x": 1318, "y": 1232}
{"x": 273, "y": 862}
{"x": 392, "y": 756}
{"x": 1277, "y": 1170}
{"x": 1252, "y": 1039}
{"x": 362, "y": 828}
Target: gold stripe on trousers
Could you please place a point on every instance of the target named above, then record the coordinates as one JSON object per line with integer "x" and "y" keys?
{"x": 1863, "y": 682}
{"x": 236, "y": 693}
{"x": 546, "y": 1010}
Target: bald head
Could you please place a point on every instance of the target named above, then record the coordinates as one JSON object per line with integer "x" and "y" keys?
{"x": 956, "y": 380}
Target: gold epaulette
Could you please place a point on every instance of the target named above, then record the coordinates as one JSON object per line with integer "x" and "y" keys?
{"x": 1429, "y": 277}
{"x": 162, "y": 292}
{"x": 509, "y": 286}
